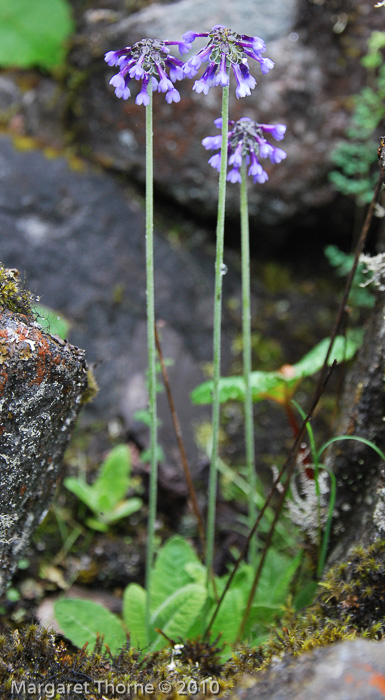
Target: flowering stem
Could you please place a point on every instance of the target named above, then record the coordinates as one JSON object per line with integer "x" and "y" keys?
{"x": 151, "y": 352}
{"x": 219, "y": 271}
{"x": 246, "y": 335}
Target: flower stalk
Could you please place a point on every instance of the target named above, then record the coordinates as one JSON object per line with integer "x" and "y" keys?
{"x": 219, "y": 271}
{"x": 150, "y": 301}
{"x": 242, "y": 144}
{"x": 247, "y": 361}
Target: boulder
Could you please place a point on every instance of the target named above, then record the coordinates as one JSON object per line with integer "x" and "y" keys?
{"x": 316, "y": 48}
{"x": 351, "y": 669}
{"x": 42, "y": 385}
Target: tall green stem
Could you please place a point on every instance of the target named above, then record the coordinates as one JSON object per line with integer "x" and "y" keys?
{"x": 246, "y": 333}
{"x": 151, "y": 351}
{"x": 219, "y": 271}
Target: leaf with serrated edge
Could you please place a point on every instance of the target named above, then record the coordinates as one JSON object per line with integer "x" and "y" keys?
{"x": 82, "y": 621}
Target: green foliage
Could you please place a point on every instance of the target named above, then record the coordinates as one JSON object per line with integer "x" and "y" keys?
{"x": 33, "y": 32}
{"x": 354, "y": 157}
{"x": 105, "y": 497}
{"x": 83, "y": 621}
{"x": 281, "y": 385}
{"x": 51, "y": 322}
{"x": 342, "y": 263}
{"x": 180, "y": 604}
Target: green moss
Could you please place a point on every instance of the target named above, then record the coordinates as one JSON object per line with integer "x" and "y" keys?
{"x": 42, "y": 661}
{"x": 91, "y": 389}
{"x": 12, "y": 295}
{"x": 350, "y": 603}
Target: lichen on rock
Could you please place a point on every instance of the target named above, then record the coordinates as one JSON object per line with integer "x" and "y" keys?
{"x": 42, "y": 384}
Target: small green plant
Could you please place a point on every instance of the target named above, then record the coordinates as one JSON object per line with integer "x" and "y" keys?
{"x": 281, "y": 385}
{"x": 106, "y": 496}
{"x": 179, "y": 601}
{"x": 352, "y": 157}
{"x": 34, "y": 33}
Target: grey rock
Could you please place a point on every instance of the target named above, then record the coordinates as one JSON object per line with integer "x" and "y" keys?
{"x": 308, "y": 90}
{"x": 42, "y": 382}
{"x": 351, "y": 670}
{"x": 164, "y": 21}
{"x": 359, "y": 470}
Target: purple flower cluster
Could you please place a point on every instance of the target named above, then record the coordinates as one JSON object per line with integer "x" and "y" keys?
{"x": 150, "y": 60}
{"x": 147, "y": 60}
{"x": 224, "y": 49}
{"x": 246, "y": 139}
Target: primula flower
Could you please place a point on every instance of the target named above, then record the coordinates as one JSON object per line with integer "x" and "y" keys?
{"x": 148, "y": 59}
{"x": 224, "y": 49}
{"x": 246, "y": 139}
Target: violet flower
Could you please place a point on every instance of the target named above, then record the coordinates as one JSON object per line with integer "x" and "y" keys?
{"x": 224, "y": 49}
{"x": 148, "y": 59}
{"x": 246, "y": 139}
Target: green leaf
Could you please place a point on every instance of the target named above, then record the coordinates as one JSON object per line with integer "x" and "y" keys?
{"x": 169, "y": 573}
{"x": 96, "y": 524}
{"x": 82, "y": 490}
{"x": 123, "y": 510}
{"x": 33, "y": 32}
{"x": 229, "y": 616}
{"x": 177, "y": 613}
{"x": 113, "y": 481}
{"x": 82, "y": 621}
{"x": 197, "y": 572}
{"x": 343, "y": 349}
{"x": 134, "y": 614}
{"x": 280, "y": 385}
{"x": 51, "y": 322}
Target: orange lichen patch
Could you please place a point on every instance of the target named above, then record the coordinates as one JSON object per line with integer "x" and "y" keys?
{"x": 378, "y": 681}
{"x": 3, "y": 379}
{"x": 41, "y": 365}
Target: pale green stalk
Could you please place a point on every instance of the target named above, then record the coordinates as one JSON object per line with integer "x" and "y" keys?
{"x": 246, "y": 336}
{"x": 150, "y": 298}
{"x": 219, "y": 271}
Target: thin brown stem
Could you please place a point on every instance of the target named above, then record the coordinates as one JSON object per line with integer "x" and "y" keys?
{"x": 179, "y": 438}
